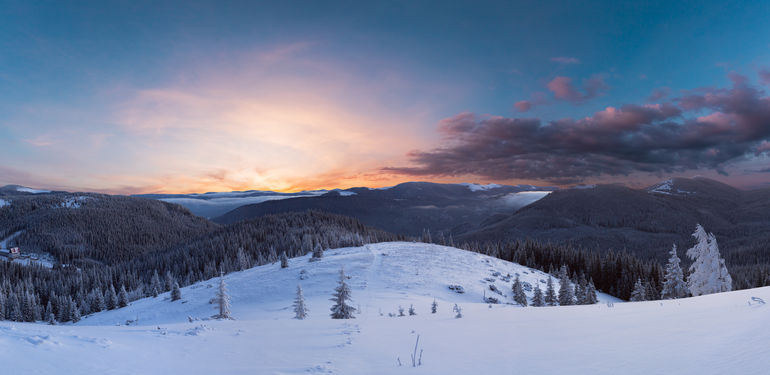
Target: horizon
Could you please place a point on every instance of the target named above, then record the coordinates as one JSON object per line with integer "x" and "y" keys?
{"x": 143, "y": 98}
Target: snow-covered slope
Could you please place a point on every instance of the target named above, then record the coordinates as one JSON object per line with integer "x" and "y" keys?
{"x": 705, "y": 335}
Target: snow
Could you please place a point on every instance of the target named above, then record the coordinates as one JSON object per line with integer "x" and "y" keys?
{"x": 74, "y": 202}
{"x": 712, "y": 334}
{"x": 477, "y": 187}
{"x": 4, "y": 203}
{"x": 667, "y": 187}
{"x": 524, "y": 198}
{"x": 26, "y": 258}
{"x": 30, "y": 190}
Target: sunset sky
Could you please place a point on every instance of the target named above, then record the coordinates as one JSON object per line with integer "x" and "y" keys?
{"x": 190, "y": 96}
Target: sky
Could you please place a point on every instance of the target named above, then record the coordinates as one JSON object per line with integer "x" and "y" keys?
{"x": 193, "y": 96}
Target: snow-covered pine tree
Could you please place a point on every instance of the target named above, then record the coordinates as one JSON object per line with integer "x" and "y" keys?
{"x": 223, "y": 299}
{"x": 169, "y": 281}
{"x": 176, "y": 293}
{"x": 458, "y": 311}
{"x": 537, "y": 298}
{"x": 300, "y": 309}
{"x": 318, "y": 253}
{"x": 550, "y": 293}
{"x": 122, "y": 297}
{"x": 640, "y": 292}
{"x": 518, "y": 292}
{"x": 243, "y": 260}
{"x": 111, "y": 298}
{"x": 411, "y": 310}
{"x": 284, "y": 260}
{"x": 155, "y": 287}
{"x": 708, "y": 273}
{"x": 673, "y": 282}
{"x": 433, "y": 307}
{"x": 341, "y": 309}
{"x": 566, "y": 296}
{"x": 401, "y": 311}
{"x": 590, "y": 296}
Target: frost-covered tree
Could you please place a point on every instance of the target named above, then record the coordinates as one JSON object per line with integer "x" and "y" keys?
{"x": 412, "y": 310}
{"x": 566, "y": 295}
{"x": 537, "y": 297}
{"x": 550, "y": 293}
{"x": 433, "y": 307}
{"x": 341, "y": 309}
{"x": 458, "y": 311}
{"x": 300, "y": 309}
{"x": 176, "y": 293}
{"x": 640, "y": 292}
{"x": 122, "y": 297}
{"x": 222, "y": 299}
{"x": 708, "y": 273}
{"x": 111, "y": 298}
{"x": 673, "y": 282}
{"x": 518, "y": 292}
{"x": 243, "y": 260}
{"x": 284, "y": 260}
{"x": 155, "y": 287}
{"x": 401, "y": 311}
{"x": 590, "y": 294}
{"x": 318, "y": 253}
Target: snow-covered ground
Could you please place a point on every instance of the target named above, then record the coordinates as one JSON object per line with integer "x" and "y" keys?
{"x": 714, "y": 334}
{"x": 524, "y": 198}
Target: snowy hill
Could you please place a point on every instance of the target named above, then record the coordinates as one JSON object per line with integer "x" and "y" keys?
{"x": 704, "y": 335}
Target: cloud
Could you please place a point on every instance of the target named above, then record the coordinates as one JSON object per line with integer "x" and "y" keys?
{"x": 564, "y": 89}
{"x": 652, "y": 138}
{"x": 658, "y": 94}
{"x": 537, "y": 99}
{"x": 764, "y": 77}
{"x": 523, "y": 105}
{"x": 565, "y": 60}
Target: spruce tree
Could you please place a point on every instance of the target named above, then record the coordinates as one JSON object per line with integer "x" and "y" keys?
{"x": 284, "y": 260}
{"x": 122, "y": 297}
{"x": 412, "y": 310}
{"x": 341, "y": 309}
{"x": 300, "y": 310}
{"x": 566, "y": 296}
{"x": 640, "y": 292}
{"x": 458, "y": 311}
{"x": 318, "y": 253}
{"x": 111, "y": 299}
{"x": 673, "y": 284}
{"x": 155, "y": 287}
{"x": 550, "y": 293}
{"x": 176, "y": 293}
{"x": 518, "y": 292}
{"x": 537, "y": 298}
{"x": 590, "y": 294}
{"x": 223, "y": 299}
{"x": 433, "y": 307}
{"x": 708, "y": 273}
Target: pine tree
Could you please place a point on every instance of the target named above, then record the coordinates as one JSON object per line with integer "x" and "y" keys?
{"x": 590, "y": 294}
{"x": 341, "y": 309}
{"x": 300, "y": 310}
{"x": 169, "y": 281}
{"x": 640, "y": 292}
{"x": 223, "y": 299}
{"x": 122, "y": 297}
{"x": 458, "y": 311}
{"x": 111, "y": 299}
{"x": 550, "y": 293}
{"x": 401, "y": 311}
{"x": 155, "y": 287}
{"x": 243, "y": 260}
{"x": 318, "y": 253}
{"x": 708, "y": 273}
{"x": 284, "y": 260}
{"x": 537, "y": 298}
{"x": 673, "y": 284}
{"x": 518, "y": 292}
{"x": 566, "y": 296}
{"x": 176, "y": 294}
{"x": 411, "y": 310}
{"x": 433, "y": 307}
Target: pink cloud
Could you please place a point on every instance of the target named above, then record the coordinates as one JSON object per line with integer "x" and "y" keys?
{"x": 523, "y": 105}
{"x": 564, "y": 89}
{"x": 764, "y": 77}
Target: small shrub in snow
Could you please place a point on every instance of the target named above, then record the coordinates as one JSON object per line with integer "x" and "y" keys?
{"x": 411, "y": 310}
{"x": 303, "y": 275}
{"x": 457, "y": 288}
{"x": 458, "y": 311}
{"x": 401, "y": 311}
{"x": 433, "y": 307}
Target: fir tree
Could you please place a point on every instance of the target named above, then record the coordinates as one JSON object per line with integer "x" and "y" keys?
{"x": 566, "y": 297}
{"x": 341, "y": 309}
{"x": 590, "y": 294}
{"x": 550, "y": 293}
{"x": 518, "y": 292}
{"x": 411, "y": 310}
{"x": 122, "y": 297}
{"x": 111, "y": 299}
{"x": 318, "y": 253}
{"x": 300, "y": 310}
{"x": 284, "y": 260}
{"x": 155, "y": 287}
{"x": 639, "y": 293}
{"x": 537, "y": 298}
{"x": 176, "y": 294}
{"x": 223, "y": 299}
{"x": 708, "y": 273}
{"x": 243, "y": 260}
{"x": 401, "y": 311}
{"x": 433, "y": 307}
{"x": 458, "y": 311}
{"x": 673, "y": 284}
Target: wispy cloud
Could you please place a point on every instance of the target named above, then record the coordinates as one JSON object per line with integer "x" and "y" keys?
{"x": 565, "y": 60}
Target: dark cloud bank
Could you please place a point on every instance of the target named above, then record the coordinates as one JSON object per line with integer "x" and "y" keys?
{"x": 705, "y": 128}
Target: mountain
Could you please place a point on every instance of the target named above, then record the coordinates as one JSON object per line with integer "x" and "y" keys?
{"x": 407, "y": 208}
{"x": 263, "y": 338}
{"x": 646, "y": 221}
{"x": 214, "y": 204}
